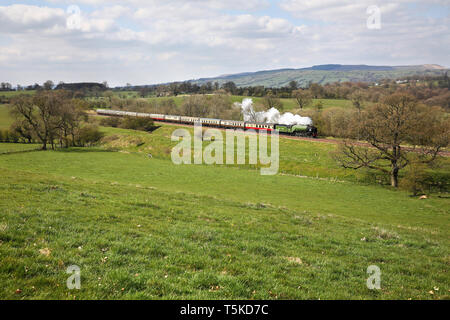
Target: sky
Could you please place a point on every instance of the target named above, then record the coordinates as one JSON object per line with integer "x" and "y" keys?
{"x": 156, "y": 41}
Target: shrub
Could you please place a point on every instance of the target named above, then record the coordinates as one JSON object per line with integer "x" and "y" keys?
{"x": 437, "y": 181}
{"x": 89, "y": 135}
{"x": 14, "y": 137}
{"x": 134, "y": 123}
{"x": 419, "y": 179}
{"x": 110, "y": 122}
{"x": 5, "y": 136}
{"x": 335, "y": 122}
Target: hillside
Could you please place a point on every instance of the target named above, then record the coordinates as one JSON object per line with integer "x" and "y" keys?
{"x": 325, "y": 74}
{"x": 144, "y": 228}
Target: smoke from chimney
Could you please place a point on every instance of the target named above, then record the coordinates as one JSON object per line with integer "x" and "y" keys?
{"x": 270, "y": 116}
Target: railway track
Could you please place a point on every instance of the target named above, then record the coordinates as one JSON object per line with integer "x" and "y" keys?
{"x": 318, "y": 140}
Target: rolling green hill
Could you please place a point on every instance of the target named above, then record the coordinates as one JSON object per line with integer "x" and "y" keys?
{"x": 325, "y": 74}
{"x": 142, "y": 227}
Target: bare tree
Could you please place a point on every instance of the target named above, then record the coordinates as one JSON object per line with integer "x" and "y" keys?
{"x": 271, "y": 101}
{"x": 357, "y": 98}
{"x": 46, "y": 114}
{"x": 400, "y": 131}
{"x": 303, "y": 98}
{"x": 69, "y": 122}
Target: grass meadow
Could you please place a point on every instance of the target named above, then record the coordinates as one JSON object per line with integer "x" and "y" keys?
{"x": 144, "y": 228}
{"x": 288, "y": 104}
{"x": 15, "y": 93}
{"x": 5, "y": 118}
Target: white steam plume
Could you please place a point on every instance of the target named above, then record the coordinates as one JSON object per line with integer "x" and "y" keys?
{"x": 270, "y": 116}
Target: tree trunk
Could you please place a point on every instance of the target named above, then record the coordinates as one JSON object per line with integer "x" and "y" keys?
{"x": 394, "y": 177}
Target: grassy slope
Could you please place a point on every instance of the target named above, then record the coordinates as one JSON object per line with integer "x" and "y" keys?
{"x": 15, "y": 93}
{"x": 302, "y": 158}
{"x": 207, "y": 232}
{"x": 305, "y": 158}
{"x": 210, "y": 228}
{"x": 17, "y": 147}
{"x": 5, "y": 118}
{"x": 277, "y": 78}
{"x": 288, "y": 104}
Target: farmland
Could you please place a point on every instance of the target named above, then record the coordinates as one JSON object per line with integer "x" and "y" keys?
{"x": 288, "y": 104}
{"x": 6, "y": 148}
{"x": 142, "y": 227}
{"x": 5, "y": 118}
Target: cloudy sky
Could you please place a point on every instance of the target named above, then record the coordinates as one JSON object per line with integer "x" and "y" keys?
{"x": 153, "y": 41}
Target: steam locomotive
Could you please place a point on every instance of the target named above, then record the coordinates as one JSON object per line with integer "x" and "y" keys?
{"x": 293, "y": 130}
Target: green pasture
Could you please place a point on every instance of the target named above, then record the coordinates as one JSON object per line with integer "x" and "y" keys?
{"x": 141, "y": 227}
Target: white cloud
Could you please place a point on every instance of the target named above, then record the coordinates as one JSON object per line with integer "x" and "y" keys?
{"x": 19, "y": 18}
{"x": 152, "y": 41}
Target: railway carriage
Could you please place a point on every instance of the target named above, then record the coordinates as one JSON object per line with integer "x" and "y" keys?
{"x": 189, "y": 120}
{"x": 109, "y": 112}
{"x": 159, "y": 117}
{"x": 173, "y": 118}
{"x": 143, "y": 115}
{"x": 210, "y": 122}
{"x": 129, "y": 114}
{"x": 260, "y": 126}
{"x": 232, "y": 124}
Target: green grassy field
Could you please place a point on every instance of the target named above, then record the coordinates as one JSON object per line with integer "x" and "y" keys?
{"x": 17, "y": 147}
{"x": 300, "y": 158}
{"x": 288, "y": 104}
{"x": 15, "y": 93}
{"x": 141, "y": 227}
{"x": 291, "y": 104}
{"x": 5, "y": 118}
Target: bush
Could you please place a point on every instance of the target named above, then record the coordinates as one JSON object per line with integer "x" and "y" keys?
{"x": 438, "y": 181}
{"x": 110, "y": 122}
{"x": 414, "y": 180}
{"x": 336, "y": 122}
{"x": 419, "y": 179}
{"x": 14, "y": 137}
{"x": 89, "y": 135}
{"x": 134, "y": 123}
{"x": 374, "y": 177}
{"x": 5, "y": 136}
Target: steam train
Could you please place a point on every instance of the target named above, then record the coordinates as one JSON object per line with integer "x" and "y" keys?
{"x": 293, "y": 130}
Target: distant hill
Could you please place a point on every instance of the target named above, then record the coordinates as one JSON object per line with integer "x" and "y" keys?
{"x": 325, "y": 74}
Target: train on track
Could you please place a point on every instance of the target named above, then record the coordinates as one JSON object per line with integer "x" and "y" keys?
{"x": 293, "y": 130}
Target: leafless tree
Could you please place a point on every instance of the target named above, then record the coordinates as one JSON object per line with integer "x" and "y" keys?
{"x": 303, "y": 97}
{"x": 49, "y": 115}
{"x": 400, "y": 131}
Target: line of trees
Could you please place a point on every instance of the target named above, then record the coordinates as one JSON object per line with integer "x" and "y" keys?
{"x": 52, "y": 118}
{"x": 430, "y": 90}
